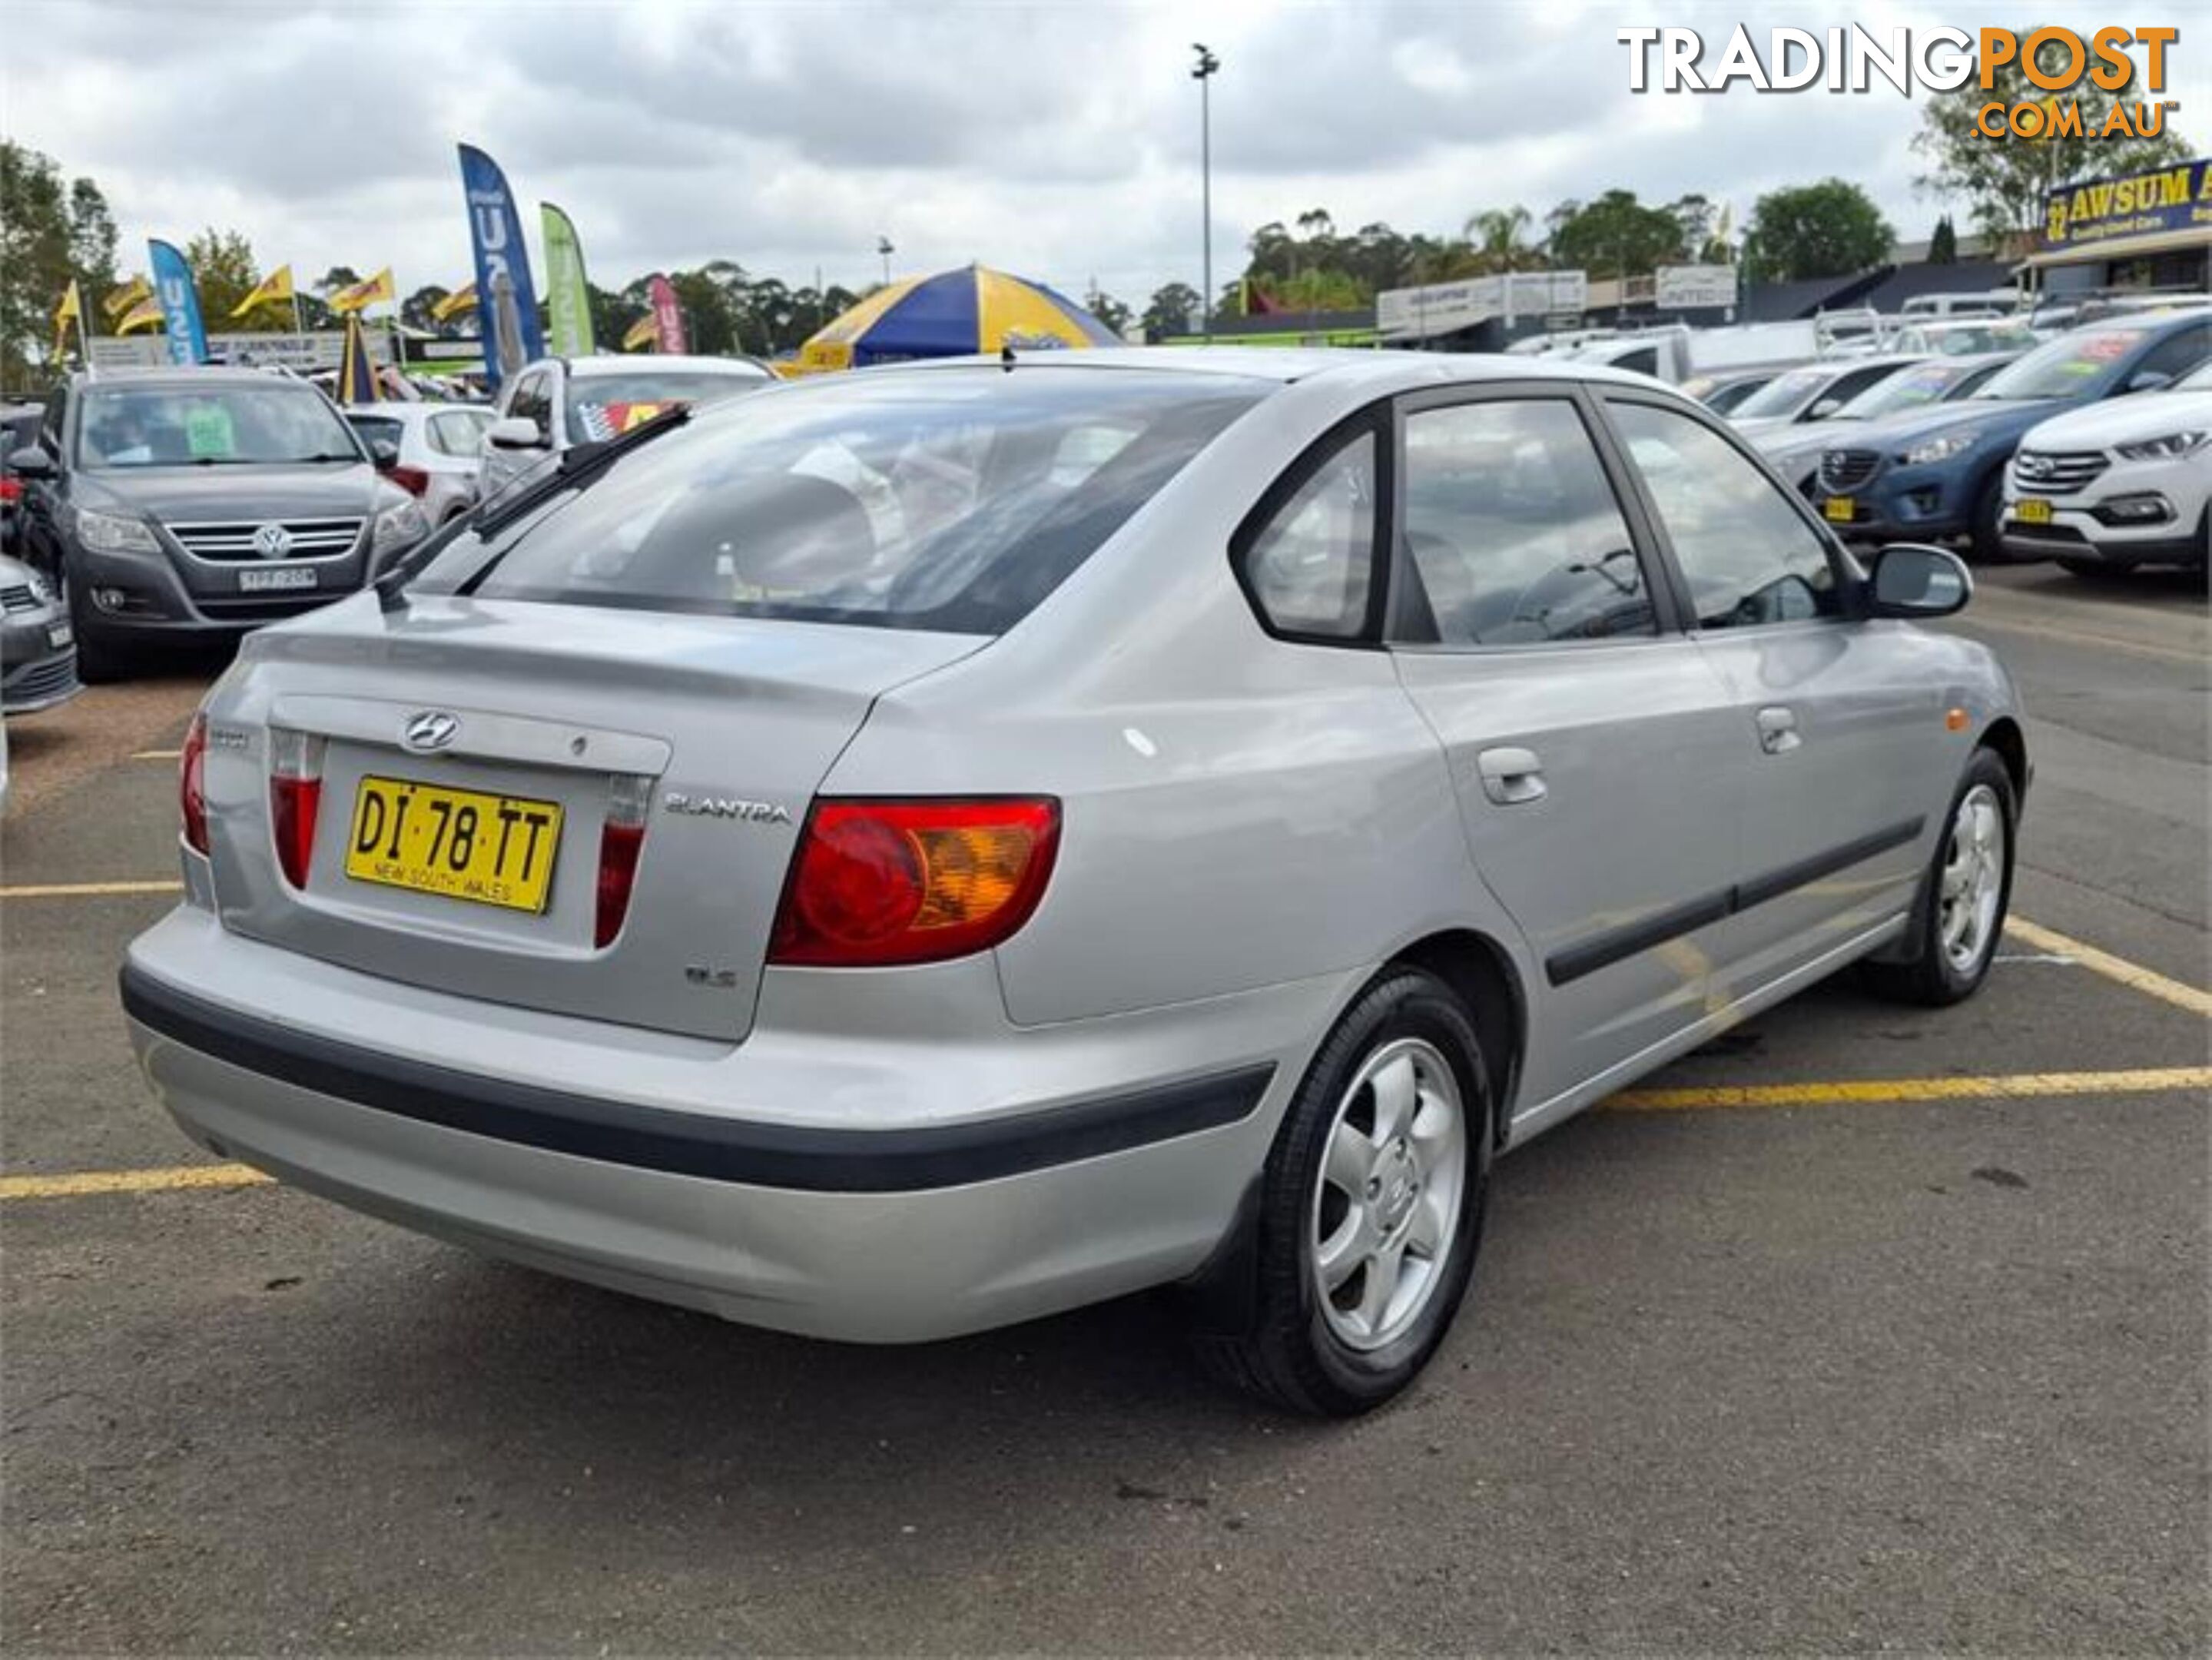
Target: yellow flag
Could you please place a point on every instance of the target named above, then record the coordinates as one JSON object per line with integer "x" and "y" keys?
{"x": 71, "y": 310}
{"x": 462, "y": 299}
{"x": 146, "y": 314}
{"x": 277, "y": 285}
{"x": 123, "y": 297}
{"x": 642, "y": 333}
{"x": 374, "y": 291}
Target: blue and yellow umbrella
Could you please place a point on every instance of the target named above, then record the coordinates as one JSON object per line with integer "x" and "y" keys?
{"x": 949, "y": 316}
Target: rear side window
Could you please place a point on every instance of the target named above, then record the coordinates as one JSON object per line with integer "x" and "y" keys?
{"x": 1512, "y": 530}
{"x": 1310, "y": 569}
{"x": 533, "y": 403}
{"x": 380, "y": 428}
{"x": 946, "y": 499}
{"x": 1747, "y": 555}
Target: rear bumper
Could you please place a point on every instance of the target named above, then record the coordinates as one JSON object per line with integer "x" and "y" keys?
{"x": 873, "y": 1228}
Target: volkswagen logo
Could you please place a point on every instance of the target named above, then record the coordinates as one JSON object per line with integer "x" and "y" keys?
{"x": 433, "y": 729}
{"x": 272, "y": 541}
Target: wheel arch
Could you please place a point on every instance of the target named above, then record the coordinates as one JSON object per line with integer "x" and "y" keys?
{"x": 2004, "y": 736}
{"x": 1479, "y": 970}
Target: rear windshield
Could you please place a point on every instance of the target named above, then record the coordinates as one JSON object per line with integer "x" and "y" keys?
{"x": 944, "y": 499}
{"x": 376, "y": 428}
{"x": 607, "y": 405}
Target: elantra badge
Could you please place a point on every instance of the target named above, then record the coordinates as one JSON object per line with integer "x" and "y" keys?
{"x": 431, "y": 730}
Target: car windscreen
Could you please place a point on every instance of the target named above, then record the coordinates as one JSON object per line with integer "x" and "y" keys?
{"x": 608, "y": 405}
{"x": 950, "y": 499}
{"x": 2066, "y": 366}
{"x": 1785, "y": 394}
{"x": 1908, "y": 389}
{"x": 179, "y": 425}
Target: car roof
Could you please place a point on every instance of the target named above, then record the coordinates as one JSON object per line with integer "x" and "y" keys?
{"x": 185, "y": 374}
{"x": 738, "y": 368}
{"x": 1381, "y": 371}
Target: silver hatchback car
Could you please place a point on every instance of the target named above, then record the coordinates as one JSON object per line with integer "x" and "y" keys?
{"x": 914, "y": 850}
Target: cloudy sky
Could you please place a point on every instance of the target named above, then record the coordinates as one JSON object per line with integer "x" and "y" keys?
{"x": 1059, "y": 140}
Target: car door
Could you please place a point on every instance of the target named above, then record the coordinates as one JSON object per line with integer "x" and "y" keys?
{"x": 1837, "y": 726}
{"x": 1593, "y": 746}
{"x": 39, "y": 533}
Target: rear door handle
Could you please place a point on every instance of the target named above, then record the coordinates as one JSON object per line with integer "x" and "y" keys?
{"x": 1777, "y": 730}
{"x": 1511, "y": 776}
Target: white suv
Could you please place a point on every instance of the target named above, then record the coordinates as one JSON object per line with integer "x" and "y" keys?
{"x": 557, "y": 402}
{"x": 2117, "y": 484}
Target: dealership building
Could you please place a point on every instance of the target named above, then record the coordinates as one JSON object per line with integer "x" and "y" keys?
{"x": 2149, "y": 230}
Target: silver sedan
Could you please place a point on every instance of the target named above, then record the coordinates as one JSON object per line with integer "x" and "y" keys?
{"x": 916, "y": 850}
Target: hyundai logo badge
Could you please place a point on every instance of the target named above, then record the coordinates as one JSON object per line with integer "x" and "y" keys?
{"x": 433, "y": 729}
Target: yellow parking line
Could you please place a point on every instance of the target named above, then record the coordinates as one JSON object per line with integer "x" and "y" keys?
{"x": 77, "y": 1185}
{"x": 2132, "y": 975}
{"x": 1898, "y": 1091}
{"x": 1889, "y": 1091}
{"x": 86, "y": 889}
{"x": 155, "y": 754}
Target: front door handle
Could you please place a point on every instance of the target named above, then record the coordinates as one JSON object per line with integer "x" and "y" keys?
{"x": 1511, "y": 777}
{"x": 1777, "y": 730}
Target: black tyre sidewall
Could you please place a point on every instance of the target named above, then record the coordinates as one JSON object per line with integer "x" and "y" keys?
{"x": 1986, "y": 538}
{"x": 1986, "y": 767}
{"x": 1406, "y": 1003}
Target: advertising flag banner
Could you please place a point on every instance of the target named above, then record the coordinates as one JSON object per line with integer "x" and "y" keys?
{"x": 126, "y": 296}
{"x": 180, "y": 303}
{"x": 356, "y": 373}
{"x": 566, "y": 293}
{"x": 376, "y": 290}
{"x": 641, "y": 334}
{"x": 462, "y": 299}
{"x": 506, "y": 299}
{"x": 667, "y": 314}
{"x": 277, "y": 285}
{"x": 71, "y": 310}
{"x": 146, "y": 314}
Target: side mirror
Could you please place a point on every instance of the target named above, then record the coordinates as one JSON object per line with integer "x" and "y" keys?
{"x": 1909, "y": 579}
{"x": 31, "y": 462}
{"x": 2148, "y": 381}
{"x": 516, "y": 432}
{"x": 1823, "y": 408}
{"x": 384, "y": 452}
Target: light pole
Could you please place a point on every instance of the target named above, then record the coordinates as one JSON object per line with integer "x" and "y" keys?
{"x": 884, "y": 249}
{"x": 1207, "y": 63}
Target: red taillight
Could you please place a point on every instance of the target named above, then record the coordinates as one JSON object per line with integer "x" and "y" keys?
{"x": 413, "y": 480}
{"x": 622, "y": 838}
{"x": 877, "y": 883}
{"x": 192, "y": 785}
{"x": 11, "y": 489}
{"x": 295, "y": 793}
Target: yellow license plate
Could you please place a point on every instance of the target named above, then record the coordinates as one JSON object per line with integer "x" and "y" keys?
{"x": 1839, "y": 509}
{"x": 2031, "y": 510}
{"x": 464, "y": 844}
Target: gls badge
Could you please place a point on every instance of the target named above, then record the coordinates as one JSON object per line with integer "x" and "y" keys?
{"x": 723, "y": 806}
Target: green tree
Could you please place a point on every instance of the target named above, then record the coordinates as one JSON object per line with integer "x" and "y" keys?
{"x": 1827, "y": 229}
{"x": 1173, "y": 309}
{"x": 1614, "y": 235}
{"x": 337, "y": 277}
{"x": 2005, "y": 180}
{"x": 416, "y": 310}
{"x": 1944, "y": 245}
{"x": 46, "y": 221}
{"x": 92, "y": 249}
{"x": 1109, "y": 310}
{"x": 1497, "y": 240}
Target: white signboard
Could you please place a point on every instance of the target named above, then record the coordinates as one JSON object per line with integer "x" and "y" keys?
{"x": 1445, "y": 307}
{"x": 1682, "y": 288}
{"x": 304, "y": 352}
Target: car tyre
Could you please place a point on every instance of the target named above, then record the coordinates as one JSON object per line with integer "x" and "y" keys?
{"x": 1988, "y": 536}
{"x": 1382, "y": 1163}
{"x": 1964, "y": 895}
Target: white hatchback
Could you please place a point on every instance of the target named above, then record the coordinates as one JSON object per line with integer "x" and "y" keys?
{"x": 435, "y": 446}
{"x": 2116, "y": 485}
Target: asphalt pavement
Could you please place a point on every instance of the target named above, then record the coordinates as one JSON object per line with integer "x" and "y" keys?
{"x": 1864, "y": 1328}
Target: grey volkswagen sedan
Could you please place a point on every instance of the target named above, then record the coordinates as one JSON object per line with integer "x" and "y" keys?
{"x": 918, "y": 849}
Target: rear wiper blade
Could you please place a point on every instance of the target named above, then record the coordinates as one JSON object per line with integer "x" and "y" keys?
{"x": 577, "y": 468}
